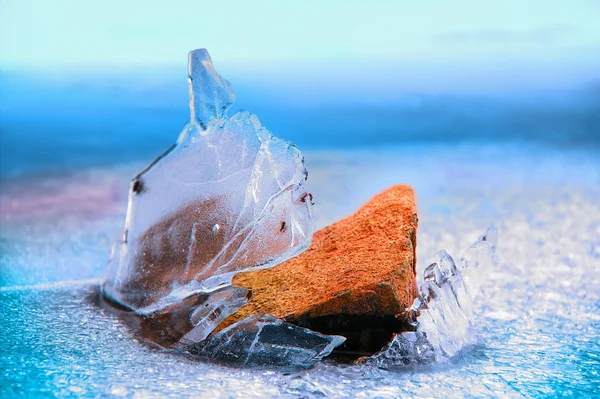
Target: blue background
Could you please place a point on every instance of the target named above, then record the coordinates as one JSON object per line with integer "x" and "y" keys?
{"x": 95, "y": 83}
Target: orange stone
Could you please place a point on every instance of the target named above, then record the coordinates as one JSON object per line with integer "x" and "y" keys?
{"x": 356, "y": 279}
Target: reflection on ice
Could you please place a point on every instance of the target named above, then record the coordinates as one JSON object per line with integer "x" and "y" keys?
{"x": 443, "y": 312}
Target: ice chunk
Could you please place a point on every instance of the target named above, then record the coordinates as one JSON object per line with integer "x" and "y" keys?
{"x": 263, "y": 340}
{"x": 443, "y": 312}
{"x": 228, "y": 197}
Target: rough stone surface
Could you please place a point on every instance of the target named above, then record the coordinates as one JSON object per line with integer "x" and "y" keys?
{"x": 356, "y": 279}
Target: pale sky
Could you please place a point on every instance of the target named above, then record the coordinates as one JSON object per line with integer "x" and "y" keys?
{"x": 545, "y": 41}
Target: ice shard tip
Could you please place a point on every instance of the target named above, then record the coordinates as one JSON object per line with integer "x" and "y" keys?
{"x": 210, "y": 95}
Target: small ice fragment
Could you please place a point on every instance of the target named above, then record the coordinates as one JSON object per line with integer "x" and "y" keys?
{"x": 186, "y": 316}
{"x": 263, "y": 340}
{"x": 227, "y": 198}
{"x": 406, "y": 349}
{"x": 443, "y": 313}
{"x": 220, "y": 305}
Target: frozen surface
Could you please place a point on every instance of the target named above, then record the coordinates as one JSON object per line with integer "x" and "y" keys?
{"x": 228, "y": 197}
{"x": 537, "y": 317}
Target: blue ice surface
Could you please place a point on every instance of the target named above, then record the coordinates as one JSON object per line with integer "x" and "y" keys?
{"x": 55, "y": 125}
{"x": 65, "y": 173}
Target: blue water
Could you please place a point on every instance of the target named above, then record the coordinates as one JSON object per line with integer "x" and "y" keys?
{"x": 530, "y": 165}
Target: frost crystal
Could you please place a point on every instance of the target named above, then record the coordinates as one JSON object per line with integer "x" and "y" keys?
{"x": 443, "y": 312}
{"x": 228, "y": 197}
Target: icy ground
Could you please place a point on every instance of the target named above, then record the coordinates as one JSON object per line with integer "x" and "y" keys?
{"x": 539, "y": 313}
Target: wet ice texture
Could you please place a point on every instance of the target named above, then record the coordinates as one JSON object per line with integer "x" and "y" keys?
{"x": 228, "y": 197}
{"x": 443, "y": 312}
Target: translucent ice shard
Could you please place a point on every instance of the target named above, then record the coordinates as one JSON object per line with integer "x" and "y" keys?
{"x": 227, "y": 197}
{"x": 443, "y": 312}
{"x": 264, "y": 340}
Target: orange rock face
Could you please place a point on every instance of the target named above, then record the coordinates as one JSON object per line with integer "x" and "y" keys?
{"x": 356, "y": 279}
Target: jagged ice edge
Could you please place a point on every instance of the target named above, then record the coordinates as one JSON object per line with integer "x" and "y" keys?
{"x": 442, "y": 314}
